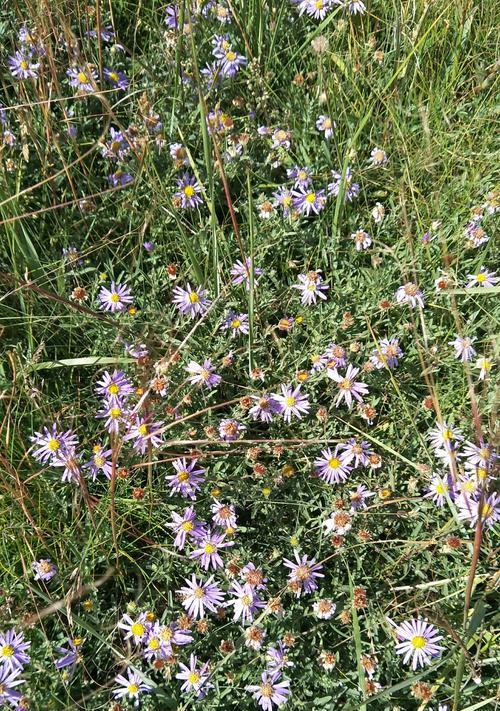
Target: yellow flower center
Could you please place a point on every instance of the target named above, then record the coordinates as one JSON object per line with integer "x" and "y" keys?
{"x": 486, "y": 510}
{"x": 246, "y": 600}
{"x": 82, "y": 77}
{"x": 77, "y": 641}
{"x": 193, "y": 678}
{"x": 447, "y": 434}
{"x": 98, "y": 460}
{"x": 345, "y": 384}
{"x": 310, "y": 197}
{"x": 189, "y": 191}
{"x": 481, "y": 473}
{"x": 267, "y": 690}
{"x": 193, "y": 297}
{"x": 236, "y": 323}
{"x": 198, "y": 593}
{"x": 290, "y": 401}
{"x": 113, "y": 76}
{"x": 154, "y": 643}
{"x": 115, "y": 298}
{"x": 143, "y": 429}
{"x": 230, "y": 56}
{"x": 133, "y": 689}
{"x": 24, "y": 64}
{"x": 166, "y": 634}
{"x": 53, "y": 445}
{"x": 187, "y": 526}
{"x": 441, "y": 488}
{"x": 334, "y": 462}
{"x": 209, "y": 548}
{"x": 480, "y": 278}
{"x": 327, "y": 123}
{"x": 183, "y": 476}
{"x": 113, "y": 389}
{"x": 137, "y": 629}
{"x": 311, "y": 287}
{"x": 7, "y": 650}
{"x": 418, "y": 641}
{"x": 115, "y": 412}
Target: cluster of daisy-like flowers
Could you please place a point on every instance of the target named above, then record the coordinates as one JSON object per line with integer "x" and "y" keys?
{"x": 319, "y": 9}
{"x": 13, "y": 659}
{"x": 466, "y": 476}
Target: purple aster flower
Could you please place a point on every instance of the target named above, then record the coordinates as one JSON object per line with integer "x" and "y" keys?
{"x": 194, "y": 677}
{"x": 198, "y": 595}
{"x": 230, "y": 430}
{"x": 349, "y": 388}
{"x": 265, "y": 407}
{"x": 417, "y": 641}
{"x": 82, "y": 78}
{"x": 475, "y": 233}
{"x": 178, "y": 154}
{"x": 22, "y": 66}
{"x": 13, "y": 650}
{"x": 106, "y": 34}
{"x": 119, "y": 179}
{"x": 154, "y": 646}
{"x": 355, "y": 7}
{"x": 135, "y": 629}
{"x": 277, "y": 658}
{"x": 245, "y": 602}
{"x": 378, "y": 156}
{"x": 44, "y": 569}
{"x": 464, "y": 350}
{"x": 190, "y": 301}
{"x": 114, "y": 388}
{"x": 100, "y": 462}
{"x": 185, "y": 527}
{"x": 114, "y": 414}
{"x": 354, "y": 451}
{"x": 210, "y": 544}
{"x": 483, "y": 456}
{"x": 440, "y": 485}
{"x": 410, "y": 294}
{"x": 135, "y": 350}
{"x": 8, "y": 681}
{"x": 359, "y": 496}
{"x": 144, "y": 434}
{"x": 117, "y": 78}
{"x": 149, "y": 246}
{"x": 307, "y": 200}
{"x": 302, "y": 177}
{"x": 387, "y": 354}
{"x": 241, "y": 272}
{"x": 331, "y": 467}
{"x": 253, "y": 576}
{"x": 444, "y": 435}
{"x": 303, "y": 574}
{"x": 231, "y": 62}
{"x": 336, "y": 356}
{"x": 281, "y": 139}
{"x": 203, "y": 374}
{"x": 486, "y": 508}
{"x": 362, "y": 239}
{"x": 117, "y": 148}
{"x": 339, "y": 522}
{"x": 172, "y": 17}
{"x": 115, "y": 298}
{"x": 69, "y": 656}
{"x": 70, "y": 461}
{"x": 292, "y": 402}
{"x": 187, "y": 195}
{"x": 171, "y": 634}
{"x": 326, "y": 125}
{"x": 318, "y": 9}
{"x": 311, "y": 285}
{"x": 187, "y": 479}
{"x": 284, "y": 199}
{"x": 49, "y": 442}
{"x": 270, "y": 691}
{"x": 223, "y": 515}
{"x": 130, "y": 686}
{"x": 483, "y": 278}
{"x": 351, "y": 189}
{"x": 236, "y": 323}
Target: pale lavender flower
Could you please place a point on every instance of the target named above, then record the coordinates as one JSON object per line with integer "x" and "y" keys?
{"x": 178, "y": 154}
{"x": 351, "y": 189}
{"x": 362, "y": 239}
{"x": 410, "y": 294}
{"x": 198, "y": 595}
{"x": 192, "y": 302}
{"x": 131, "y": 686}
{"x": 303, "y": 573}
{"x": 277, "y": 658}
{"x": 378, "y": 156}
{"x": 483, "y": 278}
{"x": 115, "y": 298}
{"x": 187, "y": 479}
{"x": 265, "y": 407}
{"x": 254, "y": 637}
{"x": 22, "y": 66}
{"x": 302, "y": 177}
{"x": 339, "y": 522}
{"x": 387, "y": 354}
{"x": 355, "y": 7}
{"x": 326, "y": 125}
{"x": 292, "y": 402}
{"x": 444, "y": 435}
{"x": 482, "y": 455}
{"x": 349, "y": 388}
{"x": 171, "y": 634}
{"x": 70, "y": 461}
{"x": 354, "y": 451}
{"x": 486, "y": 509}
{"x": 144, "y": 434}
{"x": 324, "y": 609}
{"x": 13, "y": 649}
{"x": 114, "y": 414}
{"x": 464, "y": 350}
{"x": 231, "y": 62}
{"x": 417, "y": 642}
{"x": 336, "y": 356}
{"x": 440, "y": 485}
{"x": 281, "y": 139}
{"x": 284, "y": 199}
{"x": 117, "y": 78}
{"x": 135, "y": 629}
{"x": 8, "y": 681}
{"x": 82, "y": 78}
{"x": 185, "y": 526}
{"x": 241, "y": 272}
{"x": 245, "y": 603}
{"x": 117, "y": 148}
{"x": 210, "y": 544}
{"x": 44, "y": 569}
{"x": 307, "y": 200}
{"x": 359, "y": 496}
{"x": 188, "y": 193}
{"x": 100, "y": 462}
{"x": 49, "y": 442}
{"x": 230, "y": 430}
{"x": 318, "y": 361}
{"x": 194, "y": 677}
{"x": 203, "y": 374}
{"x": 119, "y": 178}
{"x": 476, "y": 234}
{"x": 331, "y": 467}
{"x": 172, "y": 17}
{"x": 115, "y": 387}
{"x": 270, "y": 691}
{"x": 68, "y": 656}
{"x": 223, "y": 515}
{"x": 311, "y": 285}
{"x": 236, "y": 323}
{"x": 253, "y": 576}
